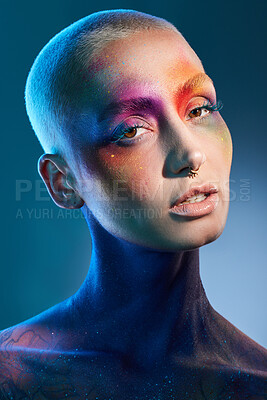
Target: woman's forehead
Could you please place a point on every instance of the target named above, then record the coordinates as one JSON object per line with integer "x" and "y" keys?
{"x": 149, "y": 54}
{"x": 126, "y": 76}
{"x": 142, "y": 63}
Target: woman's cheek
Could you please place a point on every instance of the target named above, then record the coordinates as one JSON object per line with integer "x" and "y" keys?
{"x": 126, "y": 168}
{"x": 218, "y": 131}
{"x": 225, "y": 139}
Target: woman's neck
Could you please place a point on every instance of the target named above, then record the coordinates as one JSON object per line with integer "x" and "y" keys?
{"x": 136, "y": 298}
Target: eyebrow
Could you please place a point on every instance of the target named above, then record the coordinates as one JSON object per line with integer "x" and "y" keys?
{"x": 138, "y": 104}
{"x": 194, "y": 83}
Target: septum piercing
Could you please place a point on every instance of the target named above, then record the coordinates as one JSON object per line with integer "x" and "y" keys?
{"x": 192, "y": 173}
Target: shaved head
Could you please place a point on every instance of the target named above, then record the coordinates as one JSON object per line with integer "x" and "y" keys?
{"x": 61, "y": 72}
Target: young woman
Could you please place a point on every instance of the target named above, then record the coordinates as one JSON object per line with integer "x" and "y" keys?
{"x": 130, "y": 125}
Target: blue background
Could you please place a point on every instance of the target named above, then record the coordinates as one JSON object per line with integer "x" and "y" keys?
{"x": 45, "y": 252}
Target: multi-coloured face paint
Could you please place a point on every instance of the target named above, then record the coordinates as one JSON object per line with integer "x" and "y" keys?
{"x": 149, "y": 111}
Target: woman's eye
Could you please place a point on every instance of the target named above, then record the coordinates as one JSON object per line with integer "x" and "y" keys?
{"x": 198, "y": 112}
{"x": 130, "y": 133}
{"x": 205, "y": 109}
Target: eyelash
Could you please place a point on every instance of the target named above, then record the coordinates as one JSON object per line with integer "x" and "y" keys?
{"x": 211, "y": 106}
{"x": 117, "y": 136}
{"x": 207, "y": 105}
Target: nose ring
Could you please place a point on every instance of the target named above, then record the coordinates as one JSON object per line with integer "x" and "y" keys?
{"x": 192, "y": 173}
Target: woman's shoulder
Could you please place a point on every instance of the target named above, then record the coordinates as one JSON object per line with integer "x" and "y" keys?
{"x": 34, "y": 364}
{"x": 21, "y": 346}
{"x": 237, "y": 348}
{"x": 229, "y": 382}
{"x": 33, "y": 359}
{"x": 35, "y": 333}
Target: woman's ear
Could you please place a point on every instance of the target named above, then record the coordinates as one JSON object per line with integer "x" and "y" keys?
{"x": 59, "y": 182}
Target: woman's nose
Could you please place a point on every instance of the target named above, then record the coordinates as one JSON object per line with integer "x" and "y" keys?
{"x": 185, "y": 152}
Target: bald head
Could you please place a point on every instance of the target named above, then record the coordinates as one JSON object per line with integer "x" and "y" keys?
{"x": 60, "y": 73}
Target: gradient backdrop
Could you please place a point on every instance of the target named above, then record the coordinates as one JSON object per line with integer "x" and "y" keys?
{"x": 45, "y": 255}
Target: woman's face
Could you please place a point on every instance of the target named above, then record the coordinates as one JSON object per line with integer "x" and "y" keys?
{"x": 130, "y": 184}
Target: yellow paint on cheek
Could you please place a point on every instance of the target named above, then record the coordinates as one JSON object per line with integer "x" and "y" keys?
{"x": 218, "y": 130}
{"x": 226, "y": 140}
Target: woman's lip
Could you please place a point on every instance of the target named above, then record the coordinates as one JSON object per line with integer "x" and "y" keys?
{"x": 205, "y": 189}
{"x": 199, "y": 209}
